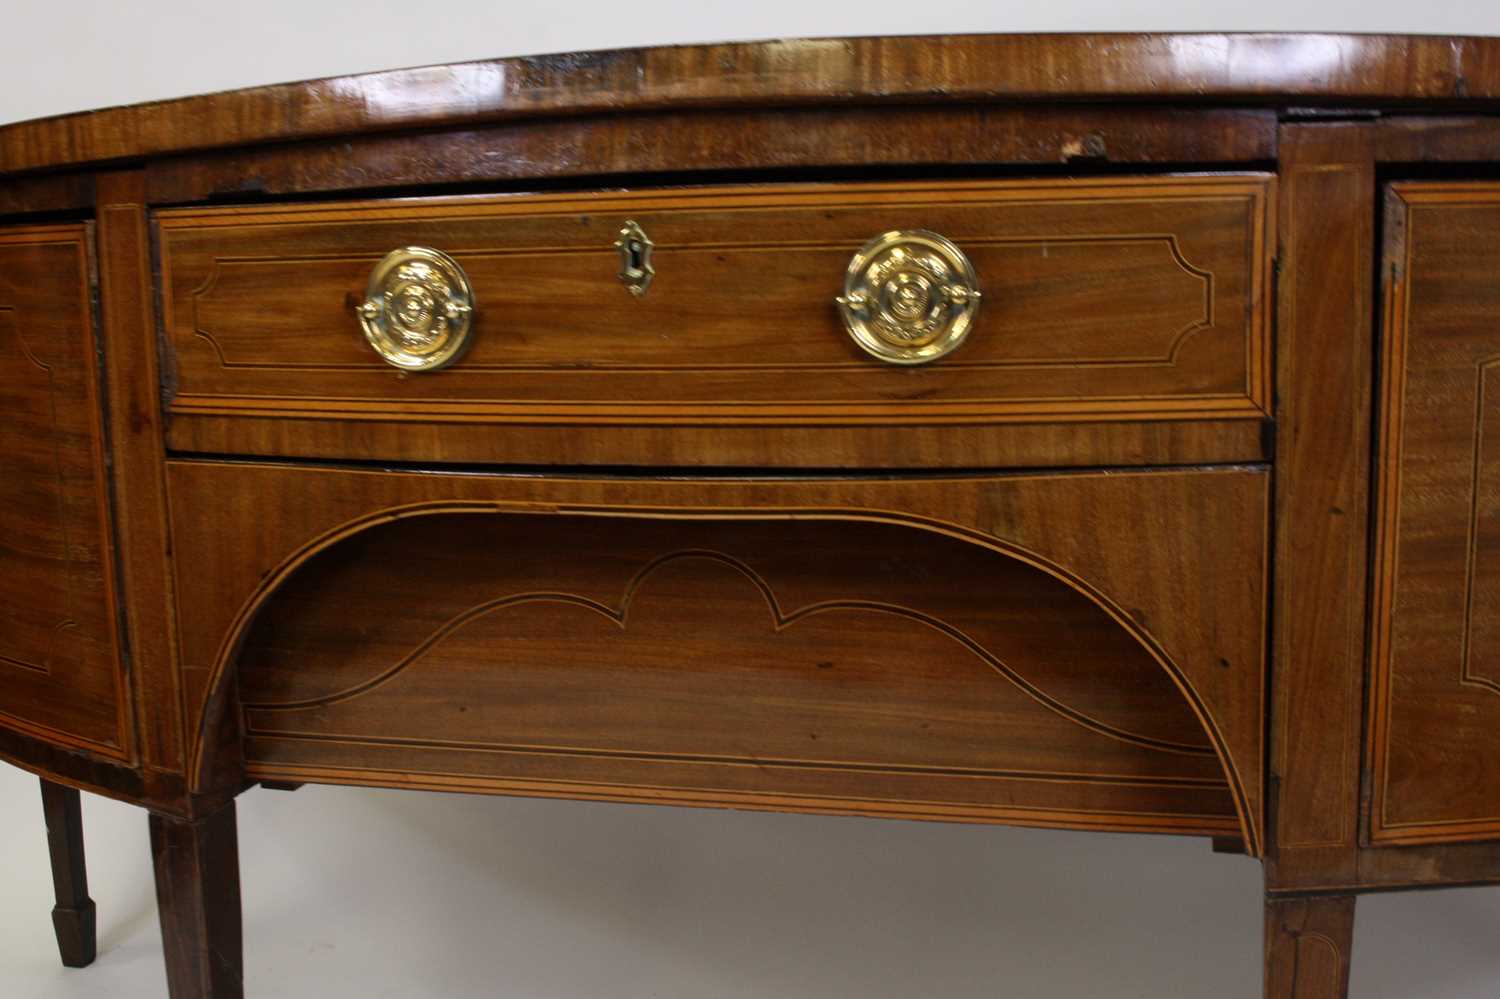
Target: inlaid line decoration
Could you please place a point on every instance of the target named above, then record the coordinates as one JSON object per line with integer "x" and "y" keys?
{"x": 781, "y": 620}
{"x": 631, "y": 791}
{"x": 1471, "y": 676}
{"x": 1166, "y": 358}
{"x": 1214, "y": 784}
{"x": 11, "y": 329}
{"x": 1335, "y": 970}
{"x": 215, "y": 689}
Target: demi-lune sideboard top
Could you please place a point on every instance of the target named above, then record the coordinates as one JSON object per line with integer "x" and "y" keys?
{"x": 1077, "y": 431}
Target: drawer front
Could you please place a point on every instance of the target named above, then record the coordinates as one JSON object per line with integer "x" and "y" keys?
{"x": 1436, "y": 620}
{"x": 1127, "y": 301}
{"x": 61, "y": 675}
{"x": 1025, "y": 649}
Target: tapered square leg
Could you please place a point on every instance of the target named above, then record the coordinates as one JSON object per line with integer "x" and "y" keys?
{"x": 1308, "y": 945}
{"x": 74, "y": 917}
{"x": 198, "y": 897}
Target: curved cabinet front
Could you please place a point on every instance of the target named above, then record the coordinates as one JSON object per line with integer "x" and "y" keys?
{"x": 1436, "y": 619}
{"x": 834, "y": 664}
{"x": 1110, "y": 307}
{"x": 61, "y": 677}
{"x": 1078, "y": 650}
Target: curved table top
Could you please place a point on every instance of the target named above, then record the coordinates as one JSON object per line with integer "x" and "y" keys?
{"x": 1245, "y": 69}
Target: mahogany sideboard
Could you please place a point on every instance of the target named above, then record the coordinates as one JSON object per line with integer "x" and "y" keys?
{"x": 1070, "y": 431}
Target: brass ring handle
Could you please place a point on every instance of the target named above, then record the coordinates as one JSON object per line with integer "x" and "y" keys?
{"x": 418, "y": 309}
{"x": 910, "y": 296}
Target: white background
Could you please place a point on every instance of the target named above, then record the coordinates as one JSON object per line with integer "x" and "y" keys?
{"x": 377, "y": 894}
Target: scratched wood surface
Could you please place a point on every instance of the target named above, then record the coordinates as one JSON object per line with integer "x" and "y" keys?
{"x": 636, "y": 147}
{"x": 1154, "y": 68}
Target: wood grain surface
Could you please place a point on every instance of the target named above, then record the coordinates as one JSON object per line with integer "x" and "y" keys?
{"x": 843, "y": 665}
{"x": 198, "y": 902}
{"x": 1309, "y": 945}
{"x": 643, "y": 146}
{"x": 75, "y": 917}
{"x": 1152, "y": 68}
{"x": 61, "y": 673}
{"x": 1435, "y": 722}
{"x": 128, "y": 323}
{"x": 1324, "y": 370}
{"x": 1128, "y": 299}
{"x": 695, "y": 547}
{"x": 1147, "y": 549}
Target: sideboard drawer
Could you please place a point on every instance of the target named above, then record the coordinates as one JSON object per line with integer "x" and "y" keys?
{"x": 1102, "y": 304}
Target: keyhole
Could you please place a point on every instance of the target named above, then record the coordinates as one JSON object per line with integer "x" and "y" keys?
{"x": 635, "y": 258}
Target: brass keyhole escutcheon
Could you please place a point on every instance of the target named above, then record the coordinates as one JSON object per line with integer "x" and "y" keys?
{"x": 910, "y": 296}
{"x": 418, "y": 309}
{"x": 635, "y": 249}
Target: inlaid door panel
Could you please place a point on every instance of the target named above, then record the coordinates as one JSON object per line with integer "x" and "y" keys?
{"x": 1435, "y": 746}
{"x": 60, "y": 667}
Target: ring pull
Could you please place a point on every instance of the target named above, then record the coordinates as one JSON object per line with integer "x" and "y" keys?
{"x": 418, "y": 310}
{"x": 910, "y": 297}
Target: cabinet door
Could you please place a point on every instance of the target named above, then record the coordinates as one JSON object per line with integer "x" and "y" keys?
{"x": 61, "y": 675}
{"x": 1435, "y": 736}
